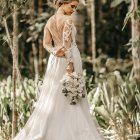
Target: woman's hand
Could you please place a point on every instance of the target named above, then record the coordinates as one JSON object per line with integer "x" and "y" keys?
{"x": 70, "y": 68}
{"x": 61, "y": 52}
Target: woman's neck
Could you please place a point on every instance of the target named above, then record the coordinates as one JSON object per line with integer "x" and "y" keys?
{"x": 61, "y": 11}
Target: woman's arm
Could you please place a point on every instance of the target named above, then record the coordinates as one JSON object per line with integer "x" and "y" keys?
{"x": 47, "y": 41}
{"x": 67, "y": 41}
{"x": 67, "y": 33}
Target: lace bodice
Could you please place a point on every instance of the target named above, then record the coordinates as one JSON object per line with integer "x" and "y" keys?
{"x": 61, "y": 31}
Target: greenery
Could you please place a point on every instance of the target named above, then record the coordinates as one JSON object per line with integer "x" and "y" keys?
{"x": 116, "y": 103}
{"x": 23, "y": 109}
{"x": 112, "y": 80}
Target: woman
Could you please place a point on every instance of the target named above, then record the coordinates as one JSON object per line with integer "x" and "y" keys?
{"x": 53, "y": 117}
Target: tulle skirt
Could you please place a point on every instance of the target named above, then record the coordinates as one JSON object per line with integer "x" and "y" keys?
{"x": 53, "y": 117}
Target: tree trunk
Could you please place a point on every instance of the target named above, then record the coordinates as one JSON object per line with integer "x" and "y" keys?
{"x": 33, "y": 43}
{"x": 15, "y": 68}
{"x": 41, "y": 49}
{"x": 16, "y": 76}
{"x": 79, "y": 21}
{"x": 93, "y": 34}
{"x": 136, "y": 43}
{"x": 100, "y": 14}
{"x": 35, "y": 60}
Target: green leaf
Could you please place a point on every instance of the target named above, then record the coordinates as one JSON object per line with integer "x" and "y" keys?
{"x": 102, "y": 111}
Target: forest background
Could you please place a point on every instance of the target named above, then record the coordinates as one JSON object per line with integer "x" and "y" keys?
{"x": 108, "y": 37}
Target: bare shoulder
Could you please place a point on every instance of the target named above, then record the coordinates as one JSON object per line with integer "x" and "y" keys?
{"x": 61, "y": 20}
{"x": 60, "y": 17}
{"x": 50, "y": 18}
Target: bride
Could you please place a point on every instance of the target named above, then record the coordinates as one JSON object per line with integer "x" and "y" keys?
{"x": 53, "y": 117}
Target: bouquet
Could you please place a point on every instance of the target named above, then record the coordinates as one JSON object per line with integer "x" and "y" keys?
{"x": 73, "y": 87}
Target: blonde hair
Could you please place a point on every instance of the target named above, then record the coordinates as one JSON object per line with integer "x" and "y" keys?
{"x": 58, "y": 3}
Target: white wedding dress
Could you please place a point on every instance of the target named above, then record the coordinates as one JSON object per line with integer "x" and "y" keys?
{"x": 53, "y": 117}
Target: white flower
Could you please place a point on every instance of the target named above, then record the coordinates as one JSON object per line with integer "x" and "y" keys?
{"x": 73, "y": 86}
{"x": 75, "y": 74}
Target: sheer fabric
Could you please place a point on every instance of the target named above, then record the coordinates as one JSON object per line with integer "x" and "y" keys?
{"x": 60, "y": 31}
{"x": 53, "y": 117}
{"x": 67, "y": 37}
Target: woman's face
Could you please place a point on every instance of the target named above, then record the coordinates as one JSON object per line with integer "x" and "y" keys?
{"x": 69, "y": 8}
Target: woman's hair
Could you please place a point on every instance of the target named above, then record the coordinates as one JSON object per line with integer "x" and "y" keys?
{"x": 58, "y": 3}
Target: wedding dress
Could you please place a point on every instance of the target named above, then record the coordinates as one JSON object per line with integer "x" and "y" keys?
{"x": 53, "y": 117}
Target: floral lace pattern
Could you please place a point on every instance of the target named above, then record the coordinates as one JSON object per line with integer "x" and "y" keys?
{"x": 67, "y": 31}
{"x": 67, "y": 39}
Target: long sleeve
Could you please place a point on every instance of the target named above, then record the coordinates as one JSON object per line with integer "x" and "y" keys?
{"x": 67, "y": 39}
{"x": 47, "y": 41}
{"x": 67, "y": 33}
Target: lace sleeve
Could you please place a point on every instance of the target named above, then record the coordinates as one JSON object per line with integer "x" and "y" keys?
{"x": 67, "y": 33}
{"x": 67, "y": 39}
{"x": 47, "y": 41}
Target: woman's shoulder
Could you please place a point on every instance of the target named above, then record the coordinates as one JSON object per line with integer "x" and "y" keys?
{"x": 62, "y": 19}
{"x": 50, "y": 18}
